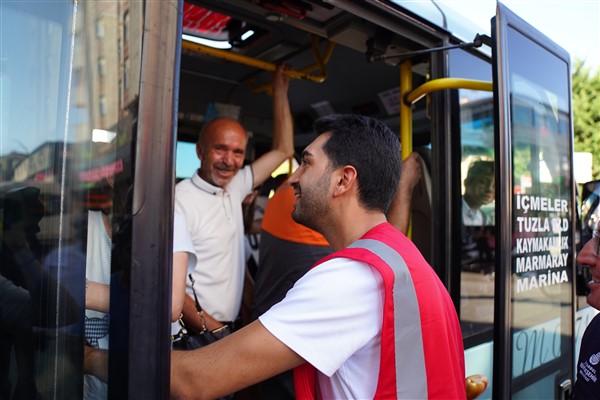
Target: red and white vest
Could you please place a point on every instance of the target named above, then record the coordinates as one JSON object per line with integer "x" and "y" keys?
{"x": 422, "y": 355}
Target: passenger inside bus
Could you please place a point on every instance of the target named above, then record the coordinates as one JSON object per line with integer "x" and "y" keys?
{"x": 212, "y": 204}
{"x": 97, "y": 297}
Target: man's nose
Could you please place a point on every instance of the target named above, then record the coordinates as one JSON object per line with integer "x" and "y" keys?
{"x": 228, "y": 158}
{"x": 294, "y": 177}
{"x": 587, "y": 256}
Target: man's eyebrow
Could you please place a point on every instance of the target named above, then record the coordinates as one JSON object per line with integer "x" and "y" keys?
{"x": 306, "y": 153}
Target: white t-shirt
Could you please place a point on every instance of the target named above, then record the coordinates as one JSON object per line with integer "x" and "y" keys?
{"x": 473, "y": 218}
{"x": 182, "y": 243}
{"x": 98, "y": 270}
{"x": 216, "y": 226}
{"x": 332, "y": 318}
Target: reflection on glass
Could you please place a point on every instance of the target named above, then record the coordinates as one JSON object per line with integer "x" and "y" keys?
{"x": 66, "y": 129}
{"x": 542, "y": 205}
{"x": 479, "y": 192}
{"x": 477, "y": 216}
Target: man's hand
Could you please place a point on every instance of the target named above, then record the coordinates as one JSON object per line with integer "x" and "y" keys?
{"x": 412, "y": 171}
{"x": 281, "y": 79}
{"x": 95, "y": 362}
{"x": 192, "y": 320}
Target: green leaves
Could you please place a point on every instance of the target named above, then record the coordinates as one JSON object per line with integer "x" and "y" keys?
{"x": 586, "y": 112}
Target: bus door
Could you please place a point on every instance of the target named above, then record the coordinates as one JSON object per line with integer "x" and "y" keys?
{"x": 535, "y": 213}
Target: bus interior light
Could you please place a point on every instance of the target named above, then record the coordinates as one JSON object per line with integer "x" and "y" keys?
{"x": 215, "y": 44}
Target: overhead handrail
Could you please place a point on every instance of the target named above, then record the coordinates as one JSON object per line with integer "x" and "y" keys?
{"x": 446, "y": 83}
{"x": 265, "y": 65}
{"x": 320, "y": 63}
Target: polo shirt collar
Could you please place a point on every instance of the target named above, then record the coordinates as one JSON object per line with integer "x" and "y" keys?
{"x": 205, "y": 186}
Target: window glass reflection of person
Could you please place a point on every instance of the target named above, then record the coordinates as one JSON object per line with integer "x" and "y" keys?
{"x": 479, "y": 191}
{"x": 478, "y": 239}
{"x": 31, "y": 298}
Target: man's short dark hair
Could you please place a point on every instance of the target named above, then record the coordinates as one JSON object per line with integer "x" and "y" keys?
{"x": 369, "y": 146}
{"x": 480, "y": 169}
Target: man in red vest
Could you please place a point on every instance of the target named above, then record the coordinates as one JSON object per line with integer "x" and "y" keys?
{"x": 372, "y": 320}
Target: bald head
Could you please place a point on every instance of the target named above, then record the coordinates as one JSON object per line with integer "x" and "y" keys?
{"x": 217, "y": 125}
{"x": 221, "y": 148}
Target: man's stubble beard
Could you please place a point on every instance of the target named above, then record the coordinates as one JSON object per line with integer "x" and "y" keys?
{"x": 312, "y": 205}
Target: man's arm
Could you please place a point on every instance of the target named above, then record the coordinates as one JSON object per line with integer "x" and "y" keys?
{"x": 97, "y": 296}
{"x": 241, "y": 359}
{"x": 399, "y": 212}
{"x": 283, "y": 130}
{"x": 180, "y": 261}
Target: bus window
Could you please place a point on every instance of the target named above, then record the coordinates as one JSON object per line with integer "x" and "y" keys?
{"x": 68, "y": 122}
{"x": 475, "y": 191}
{"x": 477, "y": 221}
{"x": 187, "y": 160}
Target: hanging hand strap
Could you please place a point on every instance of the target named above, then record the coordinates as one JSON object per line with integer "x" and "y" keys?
{"x": 198, "y": 308}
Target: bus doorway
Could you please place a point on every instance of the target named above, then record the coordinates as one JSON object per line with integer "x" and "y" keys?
{"x": 356, "y": 66}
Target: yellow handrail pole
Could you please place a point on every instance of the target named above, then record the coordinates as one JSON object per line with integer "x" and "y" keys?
{"x": 252, "y": 62}
{"x": 406, "y": 118}
{"x": 446, "y": 83}
{"x": 320, "y": 60}
{"x": 405, "y": 109}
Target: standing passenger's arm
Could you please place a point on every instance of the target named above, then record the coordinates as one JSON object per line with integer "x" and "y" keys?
{"x": 180, "y": 265}
{"x": 283, "y": 130}
{"x": 399, "y": 212}
{"x": 97, "y": 296}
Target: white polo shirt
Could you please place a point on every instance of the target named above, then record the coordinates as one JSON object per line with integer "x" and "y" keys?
{"x": 182, "y": 243}
{"x": 215, "y": 223}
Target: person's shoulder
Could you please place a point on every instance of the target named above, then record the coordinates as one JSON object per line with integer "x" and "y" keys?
{"x": 595, "y": 323}
{"x": 341, "y": 262}
{"x": 244, "y": 172}
{"x": 184, "y": 183}
{"x": 241, "y": 180}
{"x": 184, "y": 187}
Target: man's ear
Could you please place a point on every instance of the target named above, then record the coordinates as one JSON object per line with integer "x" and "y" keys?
{"x": 199, "y": 151}
{"x": 346, "y": 180}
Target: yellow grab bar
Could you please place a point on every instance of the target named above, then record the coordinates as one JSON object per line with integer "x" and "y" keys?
{"x": 446, "y": 83}
{"x": 406, "y": 119}
{"x": 406, "y": 109}
{"x": 254, "y": 62}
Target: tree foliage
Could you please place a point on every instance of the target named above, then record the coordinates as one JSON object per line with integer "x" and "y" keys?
{"x": 586, "y": 112}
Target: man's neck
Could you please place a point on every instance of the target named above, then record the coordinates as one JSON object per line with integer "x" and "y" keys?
{"x": 471, "y": 202}
{"x": 350, "y": 230}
